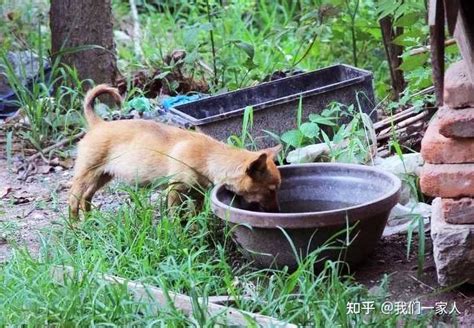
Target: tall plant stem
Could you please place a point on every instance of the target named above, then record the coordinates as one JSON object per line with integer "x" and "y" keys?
{"x": 213, "y": 47}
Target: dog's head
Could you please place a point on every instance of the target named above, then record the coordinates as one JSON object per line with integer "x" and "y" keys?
{"x": 259, "y": 184}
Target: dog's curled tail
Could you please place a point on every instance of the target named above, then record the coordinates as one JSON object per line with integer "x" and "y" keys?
{"x": 91, "y": 116}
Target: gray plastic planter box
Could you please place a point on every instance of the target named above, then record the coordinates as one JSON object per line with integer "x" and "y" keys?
{"x": 275, "y": 103}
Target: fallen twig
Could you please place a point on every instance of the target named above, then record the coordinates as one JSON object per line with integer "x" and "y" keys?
{"x": 404, "y": 123}
{"x": 56, "y": 145}
{"x": 420, "y": 282}
{"x": 424, "y": 49}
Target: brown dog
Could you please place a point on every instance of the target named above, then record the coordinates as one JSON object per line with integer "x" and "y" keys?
{"x": 141, "y": 151}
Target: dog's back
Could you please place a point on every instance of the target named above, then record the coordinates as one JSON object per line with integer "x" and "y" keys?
{"x": 140, "y": 151}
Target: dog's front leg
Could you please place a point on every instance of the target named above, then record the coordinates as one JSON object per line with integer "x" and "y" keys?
{"x": 175, "y": 194}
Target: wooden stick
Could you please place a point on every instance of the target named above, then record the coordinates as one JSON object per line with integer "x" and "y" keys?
{"x": 398, "y": 116}
{"x": 161, "y": 298}
{"x": 406, "y": 122}
{"x": 404, "y": 114}
{"x": 424, "y": 49}
{"x": 387, "y": 135}
{"x": 423, "y": 92}
{"x": 56, "y": 145}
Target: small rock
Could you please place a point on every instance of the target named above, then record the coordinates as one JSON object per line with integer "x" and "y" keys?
{"x": 45, "y": 169}
{"x": 406, "y": 164}
{"x": 456, "y": 123}
{"x": 377, "y": 291}
{"x": 307, "y": 154}
{"x": 458, "y": 87}
{"x": 58, "y": 169}
{"x": 437, "y": 149}
{"x": 448, "y": 180}
{"x": 453, "y": 249}
{"x": 401, "y": 217}
{"x": 458, "y": 211}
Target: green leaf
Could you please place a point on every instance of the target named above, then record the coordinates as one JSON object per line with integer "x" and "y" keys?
{"x": 412, "y": 62}
{"x": 408, "y": 20}
{"x": 318, "y": 119}
{"x": 191, "y": 37}
{"x": 309, "y": 129}
{"x": 408, "y": 39}
{"x": 246, "y": 47}
{"x": 387, "y": 7}
{"x": 293, "y": 138}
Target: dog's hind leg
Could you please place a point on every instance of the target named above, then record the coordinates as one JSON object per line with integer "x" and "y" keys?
{"x": 84, "y": 186}
{"x": 97, "y": 183}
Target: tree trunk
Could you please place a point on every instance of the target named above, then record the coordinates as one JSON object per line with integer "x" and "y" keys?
{"x": 82, "y": 23}
{"x": 393, "y": 53}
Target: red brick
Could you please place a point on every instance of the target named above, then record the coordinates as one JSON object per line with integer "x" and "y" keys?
{"x": 437, "y": 149}
{"x": 456, "y": 123}
{"x": 458, "y": 211}
{"x": 458, "y": 88}
{"x": 447, "y": 180}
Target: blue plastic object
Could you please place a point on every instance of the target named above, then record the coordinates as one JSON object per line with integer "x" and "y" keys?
{"x": 170, "y": 102}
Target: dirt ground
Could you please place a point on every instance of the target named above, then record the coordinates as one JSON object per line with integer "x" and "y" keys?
{"x": 404, "y": 283}
{"x": 30, "y": 206}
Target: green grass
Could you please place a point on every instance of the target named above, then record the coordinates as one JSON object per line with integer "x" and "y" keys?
{"x": 242, "y": 42}
{"x": 194, "y": 257}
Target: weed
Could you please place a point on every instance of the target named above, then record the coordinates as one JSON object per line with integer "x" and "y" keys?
{"x": 247, "y": 125}
{"x": 49, "y": 105}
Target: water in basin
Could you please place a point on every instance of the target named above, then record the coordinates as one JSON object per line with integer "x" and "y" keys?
{"x": 312, "y": 205}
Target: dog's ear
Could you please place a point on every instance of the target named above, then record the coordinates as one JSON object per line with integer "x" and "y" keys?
{"x": 273, "y": 152}
{"x": 258, "y": 166}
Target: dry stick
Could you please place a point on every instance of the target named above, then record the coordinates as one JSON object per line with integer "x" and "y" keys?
{"x": 398, "y": 117}
{"x": 392, "y": 119}
{"x": 385, "y": 136}
{"x": 423, "y": 92}
{"x": 424, "y": 49}
{"x": 420, "y": 282}
{"x": 404, "y": 113}
{"x": 56, "y": 145}
{"x": 143, "y": 292}
{"x": 405, "y": 123}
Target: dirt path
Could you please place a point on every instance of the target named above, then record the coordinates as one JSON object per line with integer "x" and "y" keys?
{"x": 26, "y": 207}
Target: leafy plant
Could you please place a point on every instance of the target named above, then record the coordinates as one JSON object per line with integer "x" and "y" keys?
{"x": 307, "y": 133}
{"x": 348, "y": 142}
{"x": 247, "y": 125}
